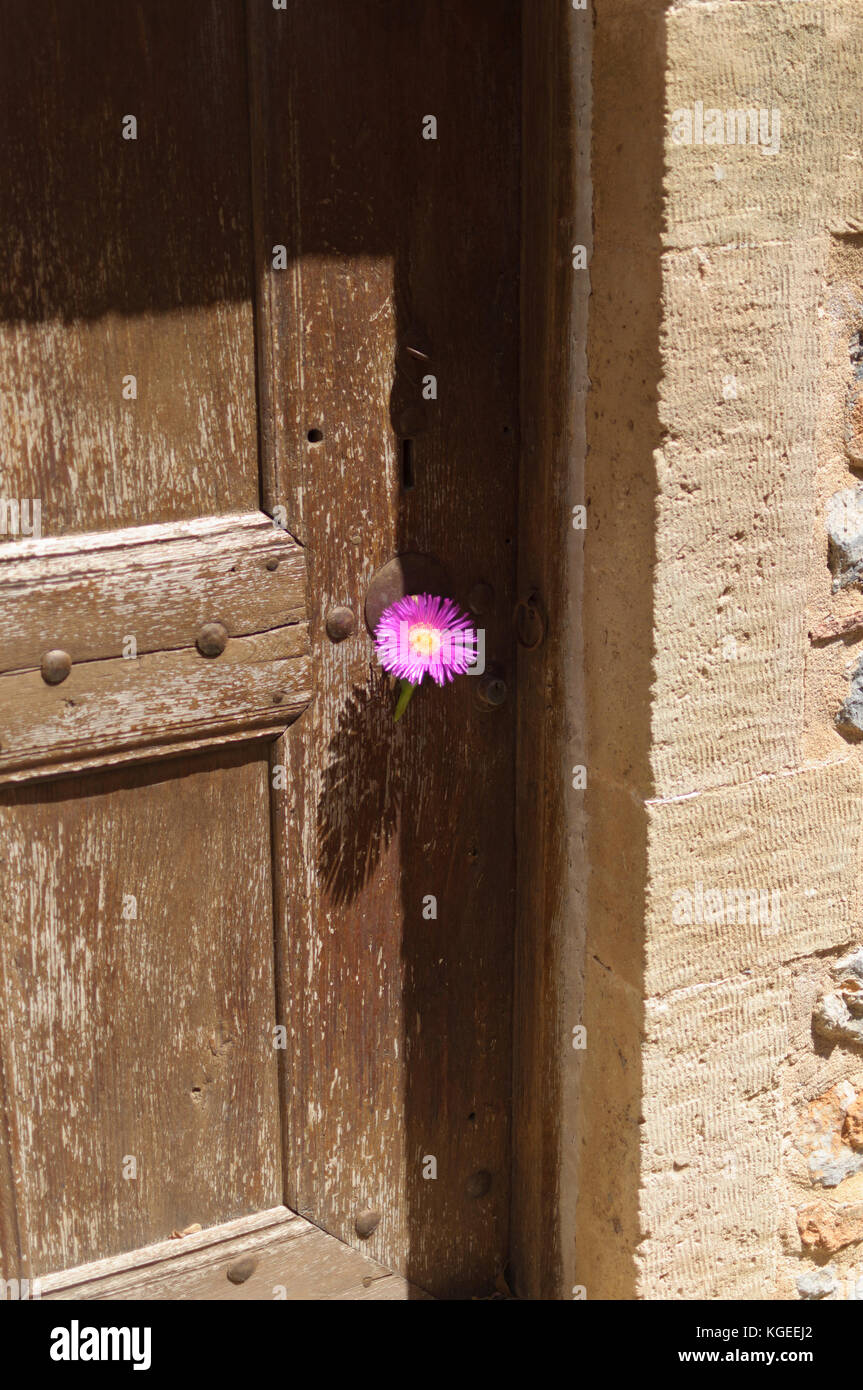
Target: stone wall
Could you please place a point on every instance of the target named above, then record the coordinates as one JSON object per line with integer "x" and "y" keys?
{"x": 719, "y": 1118}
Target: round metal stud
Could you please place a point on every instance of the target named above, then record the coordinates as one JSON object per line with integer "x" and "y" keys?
{"x": 406, "y": 574}
{"x": 341, "y": 623}
{"x": 479, "y": 1183}
{"x": 491, "y": 691}
{"x": 366, "y": 1222}
{"x": 530, "y": 621}
{"x": 212, "y": 639}
{"x": 55, "y": 666}
{"x": 241, "y": 1270}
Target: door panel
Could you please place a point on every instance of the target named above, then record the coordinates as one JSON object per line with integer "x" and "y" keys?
{"x": 137, "y": 999}
{"x": 126, "y": 257}
{"x": 399, "y": 1024}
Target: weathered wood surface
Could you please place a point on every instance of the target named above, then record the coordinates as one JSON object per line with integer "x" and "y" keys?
{"x": 271, "y": 1255}
{"x": 134, "y": 258}
{"x": 125, "y": 257}
{"x": 136, "y": 992}
{"x": 399, "y": 1024}
{"x": 85, "y": 593}
{"x": 111, "y": 711}
{"x": 550, "y": 812}
{"x": 148, "y": 1036}
{"x": 159, "y": 585}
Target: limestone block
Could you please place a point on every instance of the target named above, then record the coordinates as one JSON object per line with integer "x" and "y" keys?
{"x": 711, "y": 1142}
{"x": 734, "y": 512}
{"x": 791, "y": 841}
{"x": 801, "y": 60}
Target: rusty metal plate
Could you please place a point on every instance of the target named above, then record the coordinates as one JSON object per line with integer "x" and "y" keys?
{"x": 406, "y": 574}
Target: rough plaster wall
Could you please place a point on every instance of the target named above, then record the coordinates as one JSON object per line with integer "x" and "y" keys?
{"x": 750, "y": 787}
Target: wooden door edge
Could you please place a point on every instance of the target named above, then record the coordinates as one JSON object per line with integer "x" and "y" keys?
{"x": 550, "y": 814}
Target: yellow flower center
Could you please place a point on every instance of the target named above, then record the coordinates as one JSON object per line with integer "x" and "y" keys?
{"x": 424, "y": 640}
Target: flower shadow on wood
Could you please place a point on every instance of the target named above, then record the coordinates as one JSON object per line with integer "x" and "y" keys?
{"x": 360, "y": 801}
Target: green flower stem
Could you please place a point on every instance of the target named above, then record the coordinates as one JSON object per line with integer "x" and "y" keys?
{"x": 406, "y": 691}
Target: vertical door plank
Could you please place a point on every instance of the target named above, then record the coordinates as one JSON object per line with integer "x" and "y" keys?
{"x": 399, "y": 1024}
{"x": 149, "y": 1037}
{"x": 552, "y": 875}
{"x": 125, "y": 257}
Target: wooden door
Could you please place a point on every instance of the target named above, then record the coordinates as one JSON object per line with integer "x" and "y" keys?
{"x": 256, "y": 940}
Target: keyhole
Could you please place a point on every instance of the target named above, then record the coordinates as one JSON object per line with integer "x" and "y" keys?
{"x": 407, "y": 464}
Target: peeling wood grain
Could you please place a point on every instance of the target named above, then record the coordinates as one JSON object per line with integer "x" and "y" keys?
{"x": 147, "y": 1035}
{"x": 157, "y": 585}
{"x": 106, "y": 710}
{"x": 271, "y": 1255}
{"x": 87, "y": 593}
{"x": 399, "y": 1026}
{"x": 124, "y": 257}
{"x": 136, "y": 990}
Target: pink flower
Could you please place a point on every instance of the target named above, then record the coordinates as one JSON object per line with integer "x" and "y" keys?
{"x": 422, "y": 634}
